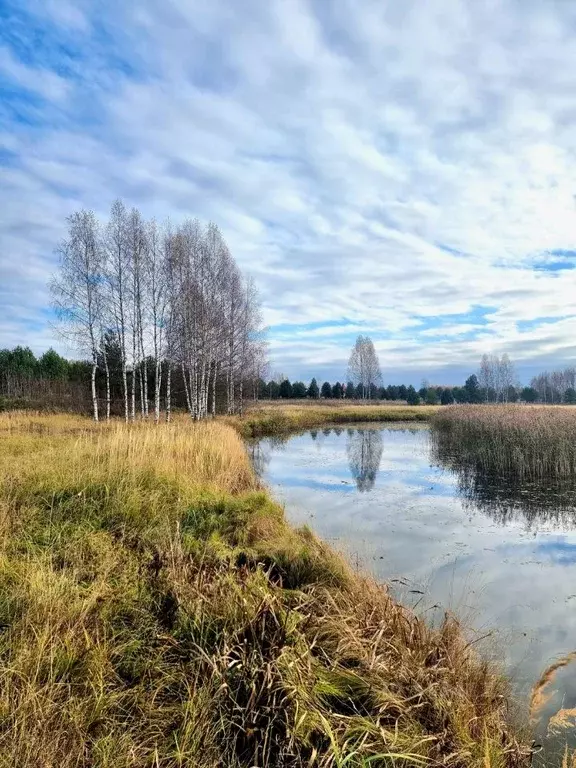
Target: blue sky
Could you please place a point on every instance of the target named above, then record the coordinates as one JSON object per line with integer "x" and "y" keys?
{"x": 405, "y": 170}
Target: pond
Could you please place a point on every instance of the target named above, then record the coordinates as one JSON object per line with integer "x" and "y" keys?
{"x": 500, "y": 555}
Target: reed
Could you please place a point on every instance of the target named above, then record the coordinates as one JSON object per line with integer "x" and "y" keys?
{"x": 528, "y": 442}
{"x": 157, "y": 610}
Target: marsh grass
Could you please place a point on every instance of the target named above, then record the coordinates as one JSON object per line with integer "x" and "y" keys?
{"x": 279, "y": 418}
{"x": 156, "y": 610}
{"x": 529, "y": 442}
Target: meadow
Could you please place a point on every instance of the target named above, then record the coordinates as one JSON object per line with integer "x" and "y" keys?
{"x": 527, "y": 442}
{"x": 157, "y": 610}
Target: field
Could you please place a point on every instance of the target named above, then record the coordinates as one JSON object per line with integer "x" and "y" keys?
{"x": 156, "y": 610}
{"x": 527, "y": 442}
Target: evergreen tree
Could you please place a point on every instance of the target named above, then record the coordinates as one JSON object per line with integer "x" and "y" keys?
{"x": 23, "y": 362}
{"x": 473, "y": 394}
{"x": 412, "y": 397}
{"x": 337, "y": 391}
{"x": 359, "y": 392}
{"x": 447, "y": 397}
{"x": 285, "y": 389}
{"x": 262, "y": 390}
{"x": 350, "y": 393}
{"x": 432, "y": 397}
{"x": 273, "y": 390}
{"x": 512, "y": 394}
{"x": 299, "y": 389}
{"x": 313, "y": 391}
{"x": 529, "y": 395}
{"x": 459, "y": 394}
{"x": 326, "y": 390}
{"x": 570, "y": 396}
{"x": 403, "y": 392}
{"x": 52, "y": 366}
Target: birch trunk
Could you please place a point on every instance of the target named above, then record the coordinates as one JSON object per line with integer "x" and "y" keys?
{"x": 169, "y": 392}
{"x": 94, "y": 395}
{"x": 107, "y": 369}
{"x": 125, "y": 388}
{"x": 214, "y": 389}
{"x": 186, "y": 390}
{"x": 157, "y": 386}
{"x": 141, "y": 387}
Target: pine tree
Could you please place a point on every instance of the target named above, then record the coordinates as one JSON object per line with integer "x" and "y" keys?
{"x": 299, "y": 389}
{"x": 412, "y": 397}
{"x": 313, "y": 390}
{"x": 285, "y": 390}
{"x": 326, "y": 390}
{"x": 447, "y": 397}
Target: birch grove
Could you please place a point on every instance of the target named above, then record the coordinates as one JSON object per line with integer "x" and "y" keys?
{"x": 174, "y": 303}
{"x": 496, "y": 376}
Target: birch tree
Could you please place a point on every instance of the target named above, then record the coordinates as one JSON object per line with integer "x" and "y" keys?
{"x": 77, "y": 290}
{"x": 116, "y": 278}
{"x": 363, "y": 366}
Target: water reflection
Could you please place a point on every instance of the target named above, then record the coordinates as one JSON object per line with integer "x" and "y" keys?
{"x": 507, "y": 499}
{"x": 364, "y": 448}
{"x": 499, "y": 553}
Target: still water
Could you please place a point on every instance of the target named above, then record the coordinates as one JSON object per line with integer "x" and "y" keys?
{"x": 502, "y": 556}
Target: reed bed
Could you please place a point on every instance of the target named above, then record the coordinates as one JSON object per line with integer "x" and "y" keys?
{"x": 528, "y": 442}
{"x": 157, "y": 610}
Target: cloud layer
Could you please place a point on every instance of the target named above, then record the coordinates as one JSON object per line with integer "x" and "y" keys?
{"x": 401, "y": 169}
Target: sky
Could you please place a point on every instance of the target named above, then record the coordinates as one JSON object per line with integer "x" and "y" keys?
{"x": 404, "y": 170}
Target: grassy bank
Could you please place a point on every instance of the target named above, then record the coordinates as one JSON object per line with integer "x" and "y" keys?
{"x": 281, "y": 417}
{"x": 524, "y": 441}
{"x": 156, "y": 610}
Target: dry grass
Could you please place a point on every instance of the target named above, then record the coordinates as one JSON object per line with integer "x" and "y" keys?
{"x": 272, "y": 418}
{"x": 527, "y": 442}
{"x": 156, "y": 610}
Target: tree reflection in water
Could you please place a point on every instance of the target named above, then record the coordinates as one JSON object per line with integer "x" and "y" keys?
{"x": 549, "y": 501}
{"x": 364, "y": 448}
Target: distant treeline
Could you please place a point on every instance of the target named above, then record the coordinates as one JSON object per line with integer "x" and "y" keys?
{"x": 431, "y": 395}
{"x": 545, "y": 388}
{"x": 53, "y": 382}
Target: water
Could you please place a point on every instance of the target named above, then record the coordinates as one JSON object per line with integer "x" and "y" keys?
{"x": 501, "y": 556}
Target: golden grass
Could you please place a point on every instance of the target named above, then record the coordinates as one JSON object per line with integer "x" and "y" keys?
{"x": 156, "y": 610}
{"x": 527, "y": 442}
{"x": 277, "y": 418}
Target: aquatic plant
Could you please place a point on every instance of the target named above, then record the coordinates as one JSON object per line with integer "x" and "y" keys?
{"x": 524, "y": 441}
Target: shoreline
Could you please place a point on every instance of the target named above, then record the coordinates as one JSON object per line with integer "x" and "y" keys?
{"x": 267, "y": 421}
{"x": 150, "y": 559}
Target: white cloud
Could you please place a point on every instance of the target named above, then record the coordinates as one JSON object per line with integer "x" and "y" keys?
{"x": 383, "y": 163}
{"x": 45, "y": 83}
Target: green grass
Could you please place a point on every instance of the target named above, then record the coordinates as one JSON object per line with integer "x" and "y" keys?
{"x": 157, "y": 610}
